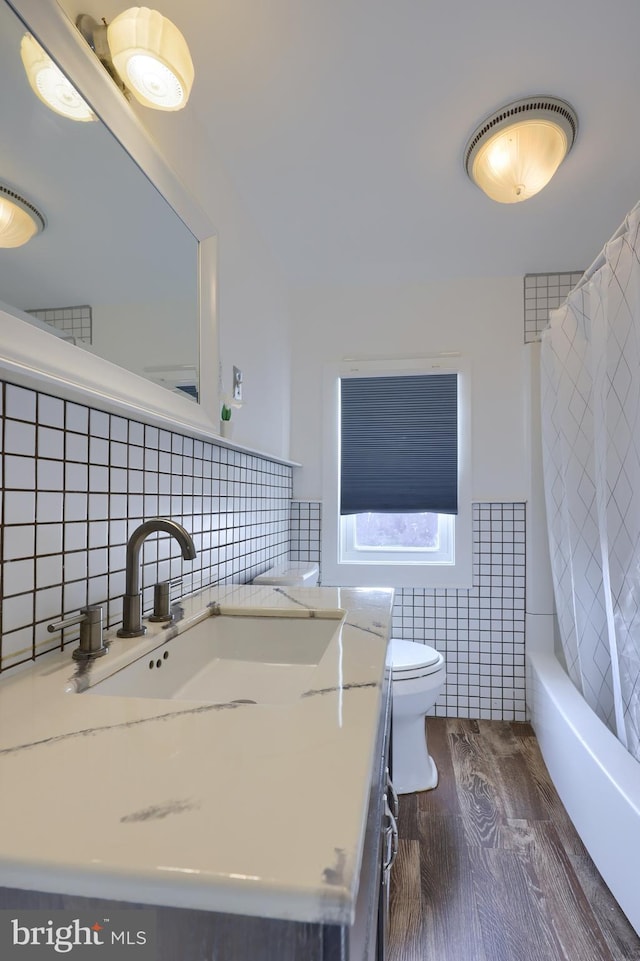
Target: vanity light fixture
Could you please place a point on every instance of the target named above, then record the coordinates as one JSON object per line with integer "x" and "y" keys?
{"x": 19, "y": 219}
{"x": 515, "y": 152}
{"x": 50, "y": 84}
{"x": 145, "y": 53}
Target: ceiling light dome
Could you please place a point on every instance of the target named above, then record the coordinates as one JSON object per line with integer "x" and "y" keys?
{"x": 515, "y": 152}
{"x": 19, "y": 219}
{"x": 152, "y": 57}
{"x": 50, "y": 84}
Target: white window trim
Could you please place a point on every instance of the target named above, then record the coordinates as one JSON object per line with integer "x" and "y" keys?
{"x": 351, "y": 574}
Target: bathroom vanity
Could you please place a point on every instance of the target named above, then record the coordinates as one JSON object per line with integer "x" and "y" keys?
{"x": 255, "y": 815}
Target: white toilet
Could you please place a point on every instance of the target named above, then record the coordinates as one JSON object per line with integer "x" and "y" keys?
{"x": 418, "y": 675}
{"x": 293, "y": 573}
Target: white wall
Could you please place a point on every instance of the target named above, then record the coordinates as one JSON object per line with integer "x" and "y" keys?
{"x": 254, "y": 335}
{"x": 251, "y": 295}
{"x": 481, "y": 318}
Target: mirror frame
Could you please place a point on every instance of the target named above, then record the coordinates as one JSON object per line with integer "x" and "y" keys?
{"x": 31, "y": 356}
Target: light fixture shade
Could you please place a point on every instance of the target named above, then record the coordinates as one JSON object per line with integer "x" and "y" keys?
{"x": 19, "y": 219}
{"x": 515, "y": 152}
{"x": 152, "y": 57}
{"x": 49, "y": 83}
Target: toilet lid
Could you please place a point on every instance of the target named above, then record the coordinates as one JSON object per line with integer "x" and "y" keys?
{"x": 294, "y": 574}
{"x": 409, "y": 659}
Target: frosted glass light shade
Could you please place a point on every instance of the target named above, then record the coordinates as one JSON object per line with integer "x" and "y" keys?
{"x": 515, "y": 153}
{"x": 19, "y": 220}
{"x": 49, "y": 83}
{"x": 152, "y": 58}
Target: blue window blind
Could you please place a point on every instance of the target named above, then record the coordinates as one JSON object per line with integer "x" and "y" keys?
{"x": 399, "y": 444}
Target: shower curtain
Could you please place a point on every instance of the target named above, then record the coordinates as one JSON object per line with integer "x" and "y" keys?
{"x": 591, "y": 459}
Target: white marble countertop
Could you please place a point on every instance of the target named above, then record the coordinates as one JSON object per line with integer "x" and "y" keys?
{"x": 256, "y": 809}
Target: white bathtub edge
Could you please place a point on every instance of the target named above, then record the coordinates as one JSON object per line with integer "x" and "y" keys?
{"x": 597, "y": 779}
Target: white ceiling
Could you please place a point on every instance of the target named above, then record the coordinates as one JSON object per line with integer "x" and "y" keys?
{"x": 342, "y": 125}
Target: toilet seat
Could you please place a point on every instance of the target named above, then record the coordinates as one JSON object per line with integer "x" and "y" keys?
{"x": 409, "y": 660}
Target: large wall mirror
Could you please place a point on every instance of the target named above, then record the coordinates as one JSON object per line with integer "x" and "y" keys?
{"x": 123, "y": 272}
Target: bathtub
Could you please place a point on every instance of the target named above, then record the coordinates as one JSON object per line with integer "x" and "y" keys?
{"x": 595, "y": 776}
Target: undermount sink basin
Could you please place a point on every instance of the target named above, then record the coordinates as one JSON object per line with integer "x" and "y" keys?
{"x": 267, "y": 660}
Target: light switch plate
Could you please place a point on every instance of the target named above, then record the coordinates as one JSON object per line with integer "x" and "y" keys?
{"x": 237, "y": 383}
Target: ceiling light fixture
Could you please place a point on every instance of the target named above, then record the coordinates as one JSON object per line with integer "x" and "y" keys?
{"x": 19, "y": 219}
{"x": 50, "y": 84}
{"x": 515, "y": 152}
{"x": 145, "y": 53}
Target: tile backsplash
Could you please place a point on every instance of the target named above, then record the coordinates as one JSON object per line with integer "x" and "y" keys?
{"x": 77, "y": 481}
{"x": 479, "y": 630}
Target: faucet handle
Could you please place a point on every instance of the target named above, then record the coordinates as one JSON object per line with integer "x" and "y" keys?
{"x": 161, "y": 602}
{"x": 66, "y": 622}
{"x": 91, "y": 641}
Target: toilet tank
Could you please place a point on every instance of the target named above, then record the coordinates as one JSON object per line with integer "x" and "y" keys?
{"x": 293, "y": 573}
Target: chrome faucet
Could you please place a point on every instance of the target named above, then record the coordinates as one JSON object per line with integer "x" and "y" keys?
{"x": 132, "y": 625}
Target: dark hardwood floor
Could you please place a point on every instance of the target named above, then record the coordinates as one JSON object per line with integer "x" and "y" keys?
{"x": 490, "y": 867}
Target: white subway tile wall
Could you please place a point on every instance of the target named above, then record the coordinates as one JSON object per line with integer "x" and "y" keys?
{"x": 78, "y": 481}
{"x": 304, "y": 544}
{"x": 480, "y": 631}
{"x": 542, "y": 293}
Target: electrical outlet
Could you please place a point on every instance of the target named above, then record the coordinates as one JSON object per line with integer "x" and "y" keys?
{"x": 237, "y": 383}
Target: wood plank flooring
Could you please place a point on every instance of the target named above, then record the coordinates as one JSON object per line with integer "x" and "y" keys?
{"x": 490, "y": 867}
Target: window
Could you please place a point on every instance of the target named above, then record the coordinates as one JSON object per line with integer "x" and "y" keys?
{"x": 396, "y": 480}
{"x": 396, "y": 538}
